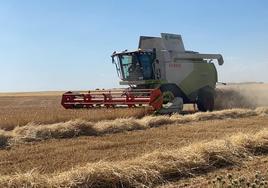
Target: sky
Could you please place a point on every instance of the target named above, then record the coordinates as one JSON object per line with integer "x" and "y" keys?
{"x": 66, "y": 44}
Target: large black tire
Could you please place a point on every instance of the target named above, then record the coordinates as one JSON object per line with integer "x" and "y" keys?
{"x": 205, "y": 100}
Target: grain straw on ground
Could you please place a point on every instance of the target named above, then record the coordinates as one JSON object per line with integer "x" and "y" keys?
{"x": 153, "y": 168}
{"x": 36, "y": 132}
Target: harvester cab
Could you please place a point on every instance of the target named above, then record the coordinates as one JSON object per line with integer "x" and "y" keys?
{"x": 135, "y": 65}
{"x": 161, "y": 74}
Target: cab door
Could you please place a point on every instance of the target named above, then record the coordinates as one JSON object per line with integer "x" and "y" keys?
{"x": 146, "y": 64}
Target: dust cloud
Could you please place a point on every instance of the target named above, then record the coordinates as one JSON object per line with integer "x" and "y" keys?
{"x": 241, "y": 96}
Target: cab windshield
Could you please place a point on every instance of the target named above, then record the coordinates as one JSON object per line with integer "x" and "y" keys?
{"x": 135, "y": 66}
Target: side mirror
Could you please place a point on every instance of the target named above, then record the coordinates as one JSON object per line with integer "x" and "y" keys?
{"x": 220, "y": 60}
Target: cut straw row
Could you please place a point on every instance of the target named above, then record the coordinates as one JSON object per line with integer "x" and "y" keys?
{"x": 151, "y": 169}
{"x": 37, "y": 132}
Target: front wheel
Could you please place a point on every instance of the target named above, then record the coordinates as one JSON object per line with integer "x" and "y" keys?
{"x": 205, "y": 100}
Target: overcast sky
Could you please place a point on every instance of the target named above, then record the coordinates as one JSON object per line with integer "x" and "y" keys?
{"x": 66, "y": 45}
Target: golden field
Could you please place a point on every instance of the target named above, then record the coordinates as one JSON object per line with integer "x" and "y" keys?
{"x": 20, "y": 109}
{"x": 44, "y": 145}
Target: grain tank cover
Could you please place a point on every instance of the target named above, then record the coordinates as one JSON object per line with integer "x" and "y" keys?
{"x": 173, "y": 42}
{"x": 167, "y": 42}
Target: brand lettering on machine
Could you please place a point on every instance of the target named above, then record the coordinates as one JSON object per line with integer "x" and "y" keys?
{"x": 174, "y": 65}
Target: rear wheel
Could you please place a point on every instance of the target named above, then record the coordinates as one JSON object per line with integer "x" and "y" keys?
{"x": 205, "y": 100}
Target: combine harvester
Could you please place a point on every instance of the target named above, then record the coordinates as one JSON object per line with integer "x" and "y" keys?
{"x": 160, "y": 74}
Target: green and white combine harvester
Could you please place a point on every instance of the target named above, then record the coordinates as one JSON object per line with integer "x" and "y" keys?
{"x": 160, "y": 74}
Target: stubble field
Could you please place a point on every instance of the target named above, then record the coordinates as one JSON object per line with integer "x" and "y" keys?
{"x": 44, "y": 145}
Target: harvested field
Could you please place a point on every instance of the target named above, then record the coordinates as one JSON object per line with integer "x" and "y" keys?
{"x": 33, "y": 132}
{"x": 245, "y": 174}
{"x": 44, "y": 145}
{"x": 153, "y": 168}
{"x": 61, "y": 154}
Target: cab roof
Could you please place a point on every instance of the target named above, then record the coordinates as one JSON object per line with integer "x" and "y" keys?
{"x": 131, "y": 52}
